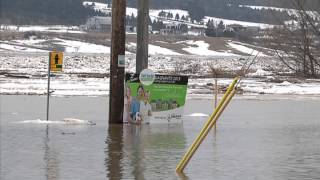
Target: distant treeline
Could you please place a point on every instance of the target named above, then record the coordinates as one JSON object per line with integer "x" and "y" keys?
{"x": 72, "y": 12}
{"x": 230, "y": 9}
{"x": 309, "y": 4}
{"x": 45, "y": 12}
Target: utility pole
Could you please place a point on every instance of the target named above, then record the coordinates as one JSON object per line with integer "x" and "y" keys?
{"x": 142, "y": 35}
{"x": 117, "y": 53}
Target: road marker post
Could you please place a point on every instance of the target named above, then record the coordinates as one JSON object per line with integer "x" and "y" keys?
{"x": 55, "y": 65}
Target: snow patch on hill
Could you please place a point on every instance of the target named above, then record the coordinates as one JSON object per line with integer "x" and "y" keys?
{"x": 244, "y": 49}
{"x": 243, "y": 23}
{"x": 290, "y": 12}
{"x": 77, "y": 46}
{"x": 202, "y": 48}
{"x": 72, "y": 46}
{"x": 156, "y": 50}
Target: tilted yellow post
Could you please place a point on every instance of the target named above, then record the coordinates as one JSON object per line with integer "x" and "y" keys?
{"x": 207, "y": 127}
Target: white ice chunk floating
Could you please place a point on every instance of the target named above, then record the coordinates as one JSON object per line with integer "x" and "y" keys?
{"x": 197, "y": 115}
{"x": 66, "y": 121}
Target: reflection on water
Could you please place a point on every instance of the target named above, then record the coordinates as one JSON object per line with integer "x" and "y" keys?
{"x": 114, "y": 152}
{"x": 50, "y": 158}
{"x": 137, "y": 152}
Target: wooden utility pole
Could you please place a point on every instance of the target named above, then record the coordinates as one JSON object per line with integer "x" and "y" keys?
{"x": 142, "y": 35}
{"x": 117, "y": 51}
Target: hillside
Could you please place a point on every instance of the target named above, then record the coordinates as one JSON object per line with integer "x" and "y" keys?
{"x": 44, "y": 12}
{"x": 232, "y": 9}
{"x": 72, "y": 12}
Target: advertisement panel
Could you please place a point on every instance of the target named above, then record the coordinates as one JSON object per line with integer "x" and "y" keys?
{"x": 159, "y": 102}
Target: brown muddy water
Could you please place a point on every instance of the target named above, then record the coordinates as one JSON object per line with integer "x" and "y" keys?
{"x": 255, "y": 139}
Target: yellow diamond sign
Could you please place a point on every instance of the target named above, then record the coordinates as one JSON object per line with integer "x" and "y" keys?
{"x": 56, "y": 61}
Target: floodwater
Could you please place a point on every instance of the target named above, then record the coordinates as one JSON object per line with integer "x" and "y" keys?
{"x": 255, "y": 139}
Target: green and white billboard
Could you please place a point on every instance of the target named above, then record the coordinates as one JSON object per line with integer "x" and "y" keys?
{"x": 160, "y": 101}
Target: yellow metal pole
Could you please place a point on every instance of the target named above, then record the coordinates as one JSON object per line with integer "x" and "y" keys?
{"x": 215, "y": 100}
{"x": 188, "y": 155}
{"x": 230, "y": 88}
{"x": 186, "y": 158}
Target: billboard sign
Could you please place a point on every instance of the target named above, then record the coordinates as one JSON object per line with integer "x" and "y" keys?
{"x": 159, "y": 102}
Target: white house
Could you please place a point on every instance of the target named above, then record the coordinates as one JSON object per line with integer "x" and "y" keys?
{"x": 98, "y": 24}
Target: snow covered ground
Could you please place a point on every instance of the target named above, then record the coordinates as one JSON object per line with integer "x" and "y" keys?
{"x": 155, "y": 50}
{"x": 56, "y": 29}
{"x": 87, "y": 74}
{"x": 40, "y": 45}
{"x": 243, "y": 23}
{"x": 33, "y": 44}
{"x": 313, "y": 14}
{"x": 240, "y": 47}
{"x": 201, "y": 48}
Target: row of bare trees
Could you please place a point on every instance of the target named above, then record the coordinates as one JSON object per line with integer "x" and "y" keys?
{"x": 298, "y": 41}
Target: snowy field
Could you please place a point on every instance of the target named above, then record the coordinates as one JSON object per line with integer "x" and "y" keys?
{"x": 291, "y": 12}
{"x": 88, "y": 74}
{"x": 242, "y": 23}
{"x": 55, "y": 29}
{"x": 23, "y": 62}
{"x": 200, "y": 47}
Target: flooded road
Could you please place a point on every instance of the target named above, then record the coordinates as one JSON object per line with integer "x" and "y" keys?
{"x": 255, "y": 139}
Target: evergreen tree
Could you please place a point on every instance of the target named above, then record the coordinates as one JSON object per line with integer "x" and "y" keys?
{"x": 177, "y": 17}
{"x": 221, "y": 25}
{"x": 210, "y": 30}
{"x": 183, "y": 18}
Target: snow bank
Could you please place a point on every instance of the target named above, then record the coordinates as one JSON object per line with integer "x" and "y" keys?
{"x": 281, "y": 88}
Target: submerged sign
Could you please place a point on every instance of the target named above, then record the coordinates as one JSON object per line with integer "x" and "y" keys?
{"x": 161, "y": 101}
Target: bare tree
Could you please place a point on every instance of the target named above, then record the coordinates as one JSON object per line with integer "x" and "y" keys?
{"x": 298, "y": 41}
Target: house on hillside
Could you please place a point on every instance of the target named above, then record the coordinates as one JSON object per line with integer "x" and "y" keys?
{"x": 253, "y": 29}
{"x": 197, "y": 31}
{"x": 235, "y": 27}
{"x": 171, "y": 29}
{"x": 97, "y": 24}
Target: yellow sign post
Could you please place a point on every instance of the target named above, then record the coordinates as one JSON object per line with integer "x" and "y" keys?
{"x": 54, "y": 65}
{"x": 56, "y": 61}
